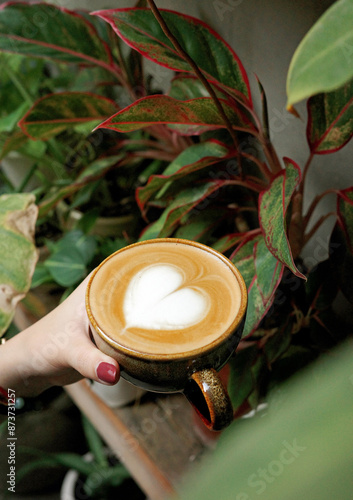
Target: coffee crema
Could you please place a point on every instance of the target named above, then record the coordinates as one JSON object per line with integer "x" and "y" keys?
{"x": 164, "y": 297}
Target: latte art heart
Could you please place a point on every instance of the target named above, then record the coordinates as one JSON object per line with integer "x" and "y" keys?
{"x": 164, "y": 297}
{"x": 159, "y": 298}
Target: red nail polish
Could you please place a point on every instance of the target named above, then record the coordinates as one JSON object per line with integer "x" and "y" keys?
{"x": 107, "y": 373}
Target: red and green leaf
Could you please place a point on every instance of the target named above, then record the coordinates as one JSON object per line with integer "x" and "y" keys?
{"x": 13, "y": 142}
{"x": 186, "y": 87}
{"x": 330, "y": 120}
{"x": 198, "y": 227}
{"x": 183, "y": 203}
{"x": 341, "y": 243}
{"x": 158, "y": 109}
{"x": 227, "y": 242}
{"x": 345, "y": 214}
{"x": 54, "y": 113}
{"x": 215, "y": 58}
{"x": 241, "y": 379}
{"x": 262, "y": 273}
{"x": 192, "y": 159}
{"x": 43, "y": 30}
{"x": 273, "y": 205}
{"x": 91, "y": 173}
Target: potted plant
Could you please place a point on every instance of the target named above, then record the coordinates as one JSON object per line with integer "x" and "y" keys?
{"x": 249, "y": 205}
{"x": 224, "y": 183}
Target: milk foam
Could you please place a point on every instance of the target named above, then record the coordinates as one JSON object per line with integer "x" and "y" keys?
{"x": 157, "y": 298}
{"x": 164, "y": 297}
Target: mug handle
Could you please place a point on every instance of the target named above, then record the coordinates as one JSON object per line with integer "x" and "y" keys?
{"x": 207, "y": 394}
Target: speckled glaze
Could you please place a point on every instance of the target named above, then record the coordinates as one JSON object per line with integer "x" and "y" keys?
{"x": 177, "y": 372}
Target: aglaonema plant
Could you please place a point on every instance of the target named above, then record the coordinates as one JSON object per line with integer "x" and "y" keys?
{"x": 230, "y": 190}
{"x": 223, "y": 183}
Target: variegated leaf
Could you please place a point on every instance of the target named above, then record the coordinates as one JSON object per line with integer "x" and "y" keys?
{"x": 198, "y": 114}
{"x": 54, "y": 113}
{"x": 262, "y": 274}
{"x": 43, "y": 30}
{"x": 18, "y": 215}
{"x": 330, "y": 120}
{"x": 196, "y": 157}
{"x": 183, "y": 203}
{"x": 273, "y": 205}
{"x": 341, "y": 244}
{"x": 216, "y": 59}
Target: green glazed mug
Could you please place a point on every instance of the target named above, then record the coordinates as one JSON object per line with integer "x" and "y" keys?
{"x": 171, "y": 312}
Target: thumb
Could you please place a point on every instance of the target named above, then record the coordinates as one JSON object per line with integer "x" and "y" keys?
{"x": 91, "y": 363}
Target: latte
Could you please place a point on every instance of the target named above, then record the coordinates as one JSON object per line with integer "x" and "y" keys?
{"x": 164, "y": 297}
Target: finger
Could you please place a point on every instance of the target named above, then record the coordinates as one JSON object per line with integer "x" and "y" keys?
{"x": 91, "y": 363}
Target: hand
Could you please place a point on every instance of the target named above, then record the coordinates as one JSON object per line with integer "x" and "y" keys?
{"x": 56, "y": 350}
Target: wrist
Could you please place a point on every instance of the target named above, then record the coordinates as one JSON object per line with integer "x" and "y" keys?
{"x": 18, "y": 367}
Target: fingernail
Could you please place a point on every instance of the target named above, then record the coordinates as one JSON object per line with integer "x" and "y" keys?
{"x": 107, "y": 373}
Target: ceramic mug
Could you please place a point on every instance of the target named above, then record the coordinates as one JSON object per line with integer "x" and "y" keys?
{"x": 191, "y": 369}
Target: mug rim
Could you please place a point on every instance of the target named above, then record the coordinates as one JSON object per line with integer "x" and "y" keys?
{"x": 237, "y": 320}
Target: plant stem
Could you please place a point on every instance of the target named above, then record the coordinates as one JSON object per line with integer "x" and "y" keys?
{"x": 27, "y": 178}
{"x": 196, "y": 69}
{"x": 315, "y": 203}
{"x": 19, "y": 85}
{"x": 6, "y": 180}
{"x": 246, "y": 183}
{"x": 261, "y": 165}
{"x": 154, "y": 154}
{"x": 316, "y": 226}
{"x": 305, "y": 172}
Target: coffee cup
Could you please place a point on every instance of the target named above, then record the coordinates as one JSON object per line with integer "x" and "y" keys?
{"x": 171, "y": 312}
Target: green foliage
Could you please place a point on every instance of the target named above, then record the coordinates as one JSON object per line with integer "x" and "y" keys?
{"x": 18, "y": 253}
{"x": 195, "y": 163}
{"x": 273, "y": 206}
{"x": 72, "y": 257}
{"x": 99, "y": 475}
{"x": 299, "y": 447}
{"x": 323, "y": 60}
{"x": 140, "y": 30}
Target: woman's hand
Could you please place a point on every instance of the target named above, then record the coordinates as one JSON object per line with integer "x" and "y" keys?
{"x": 56, "y": 350}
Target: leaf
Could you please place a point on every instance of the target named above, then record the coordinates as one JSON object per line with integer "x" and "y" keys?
{"x": 302, "y": 444}
{"x": 185, "y": 87}
{"x": 330, "y": 120}
{"x": 95, "y": 444}
{"x": 192, "y": 159}
{"x": 241, "y": 380}
{"x": 214, "y": 57}
{"x": 341, "y": 243}
{"x": 157, "y": 109}
{"x": 95, "y": 170}
{"x": 66, "y": 266}
{"x": 199, "y": 226}
{"x": 41, "y": 275}
{"x": 183, "y": 204}
{"x": 262, "y": 274}
{"x": 42, "y": 30}
{"x": 54, "y": 113}
{"x": 227, "y": 242}
{"x": 278, "y": 343}
{"x": 18, "y": 215}
{"x": 273, "y": 205}
{"x": 85, "y": 244}
{"x": 14, "y": 142}
{"x": 322, "y": 285}
{"x": 9, "y": 121}
{"x": 323, "y": 60}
